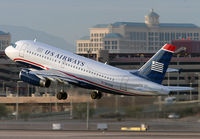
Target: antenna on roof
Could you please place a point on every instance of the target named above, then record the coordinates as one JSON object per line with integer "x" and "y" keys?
{"x": 35, "y": 40}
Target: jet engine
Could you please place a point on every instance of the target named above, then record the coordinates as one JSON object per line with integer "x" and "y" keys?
{"x": 31, "y": 78}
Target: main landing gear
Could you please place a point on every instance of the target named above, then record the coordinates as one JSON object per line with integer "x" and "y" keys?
{"x": 96, "y": 95}
{"x": 61, "y": 95}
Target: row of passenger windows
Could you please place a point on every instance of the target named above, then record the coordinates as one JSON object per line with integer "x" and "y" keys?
{"x": 44, "y": 57}
{"x": 72, "y": 66}
{"x": 91, "y": 72}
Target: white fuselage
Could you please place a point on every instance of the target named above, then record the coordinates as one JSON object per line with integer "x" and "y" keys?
{"x": 88, "y": 73}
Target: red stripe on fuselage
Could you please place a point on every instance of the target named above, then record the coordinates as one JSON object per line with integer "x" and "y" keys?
{"x": 19, "y": 59}
{"x": 105, "y": 87}
{"x": 101, "y": 85}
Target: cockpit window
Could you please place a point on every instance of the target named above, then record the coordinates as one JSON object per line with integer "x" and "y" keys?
{"x": 13, "y": 45}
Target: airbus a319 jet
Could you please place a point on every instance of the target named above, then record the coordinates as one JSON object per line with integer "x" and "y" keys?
{"x": 49, "y": 64}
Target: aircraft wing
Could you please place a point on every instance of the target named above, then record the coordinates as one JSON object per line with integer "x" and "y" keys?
{"x": 178, "y": 88}
{"x": 53, "y": 75}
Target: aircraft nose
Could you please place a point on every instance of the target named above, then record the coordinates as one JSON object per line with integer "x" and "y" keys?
{"x": 8, "y": 51}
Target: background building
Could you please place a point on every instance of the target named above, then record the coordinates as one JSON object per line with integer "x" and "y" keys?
{"x": 135, "y": 37}
{"x": 5, "y": 39}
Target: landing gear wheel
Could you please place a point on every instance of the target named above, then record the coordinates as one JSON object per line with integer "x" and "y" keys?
{"x": 64, "y": 95}
{"x": 61, "y": 95}
{"x": 96, "y": 95}
{"x": 99, "y": 95}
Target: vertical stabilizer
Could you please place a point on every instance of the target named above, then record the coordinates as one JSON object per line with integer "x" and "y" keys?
{"x": 156, "y": 67}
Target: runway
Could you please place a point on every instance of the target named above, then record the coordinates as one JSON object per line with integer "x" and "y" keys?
{"x": 24, "y": 134}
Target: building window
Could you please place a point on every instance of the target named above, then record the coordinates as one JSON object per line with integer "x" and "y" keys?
{"x": 196, "y": 34}
{"x": 172, "y": 35}
{"x": 178, "y": 35}
{"x": 166, "y": 36}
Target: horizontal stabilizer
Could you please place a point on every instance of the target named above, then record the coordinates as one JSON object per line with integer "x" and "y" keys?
{"x": 172, "y": 70}
{"x": 178, "y": 88}
{"x": 168, "y": 70}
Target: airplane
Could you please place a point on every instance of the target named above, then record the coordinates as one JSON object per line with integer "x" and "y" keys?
{"x": 49, "y": 64}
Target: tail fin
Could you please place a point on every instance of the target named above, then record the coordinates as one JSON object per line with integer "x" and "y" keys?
{"x": 156, "y": 67}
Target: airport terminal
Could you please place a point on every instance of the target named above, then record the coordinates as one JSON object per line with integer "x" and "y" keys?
{"x": 126, "y": 45}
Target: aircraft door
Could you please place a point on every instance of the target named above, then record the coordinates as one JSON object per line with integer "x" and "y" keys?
{"x": 63, "y": 62}
{"x": 123, "y": 84}
{"x": 22, "y": 50}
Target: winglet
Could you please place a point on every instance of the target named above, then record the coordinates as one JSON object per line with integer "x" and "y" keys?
{"x": 169, "y": 47}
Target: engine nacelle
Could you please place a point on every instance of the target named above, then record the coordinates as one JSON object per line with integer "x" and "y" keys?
{"x": 30, "y": 78}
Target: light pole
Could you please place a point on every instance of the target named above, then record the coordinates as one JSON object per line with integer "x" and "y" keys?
{"x": 56, "y": 91}
{"x": 17, "y": 100}
{"x": 28, "y": 86}
{"x": 3, "y": 86}
{"x": 71, "y": 110}
{"x": 116, "y": 104}
{"x": 190, "y": 91}
{"x": 88, "y": 113}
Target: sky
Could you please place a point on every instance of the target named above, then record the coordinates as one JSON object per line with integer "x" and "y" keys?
{"x": 70, "y": 19}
